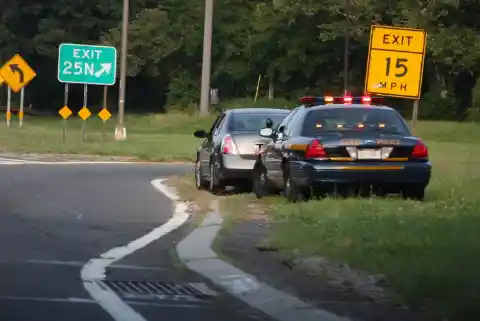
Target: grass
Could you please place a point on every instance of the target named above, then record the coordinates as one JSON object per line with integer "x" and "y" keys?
{"x": 429, "y": 251}
{"x": 157, "y": 137}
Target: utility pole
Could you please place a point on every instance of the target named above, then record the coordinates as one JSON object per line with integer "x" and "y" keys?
{"x": 121, "y": 130}
{"x": 207, "y": 58}
{"x": 347, "y": 45}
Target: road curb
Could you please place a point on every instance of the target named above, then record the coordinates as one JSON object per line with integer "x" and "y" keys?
{"x": 195, "y": 252}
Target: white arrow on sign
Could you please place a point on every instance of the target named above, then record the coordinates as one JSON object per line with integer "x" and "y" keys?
{"x": 106, "y": 68}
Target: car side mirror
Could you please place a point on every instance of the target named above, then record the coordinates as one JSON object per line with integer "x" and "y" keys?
{"x": 200, "y": 133}
{"x": 266, "y": 132}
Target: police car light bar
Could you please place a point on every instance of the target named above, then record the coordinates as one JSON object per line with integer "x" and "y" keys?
{"x": 312, "y": 100}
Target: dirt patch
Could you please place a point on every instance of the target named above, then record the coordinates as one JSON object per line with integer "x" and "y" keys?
{"x": 343, "y": 277}
{"x": 185, "y": 186}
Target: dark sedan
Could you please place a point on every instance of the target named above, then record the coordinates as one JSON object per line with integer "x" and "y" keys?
{"x": 342, "y": 148}
{"x": 228, "y": 152}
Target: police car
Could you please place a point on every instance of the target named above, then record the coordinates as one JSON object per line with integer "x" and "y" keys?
{"x": 342, "y": 145}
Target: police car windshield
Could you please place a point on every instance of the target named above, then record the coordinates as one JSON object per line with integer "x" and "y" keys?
{"x": 356, "y": 119}
{"x": 253, "y": 122}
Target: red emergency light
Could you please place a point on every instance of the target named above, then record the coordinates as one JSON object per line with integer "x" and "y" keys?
{"x": 366, "y": 100}
{"x": 347, "y": 99}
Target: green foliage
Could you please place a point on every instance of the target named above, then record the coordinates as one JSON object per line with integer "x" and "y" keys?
{"x": 260, "y": 103}
{"x": 435, "y": 105}
{"x": 297, "y": 45}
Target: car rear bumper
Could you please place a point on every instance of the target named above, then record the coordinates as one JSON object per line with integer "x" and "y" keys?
{"x": 308, "y": 174}
{"x": 237, "y": 167}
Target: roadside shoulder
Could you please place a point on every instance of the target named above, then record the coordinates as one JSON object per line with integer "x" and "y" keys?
{"x": 240, "y": 243}
{"x": 245, "y": 243}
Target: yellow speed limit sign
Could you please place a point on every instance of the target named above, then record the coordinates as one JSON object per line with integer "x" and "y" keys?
{"x": 395, "y": 62}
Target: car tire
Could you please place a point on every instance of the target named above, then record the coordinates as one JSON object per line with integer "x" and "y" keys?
{"x": 414, "y": 192}
{"x": 245, "y": 187}
{"x": 292, "y": 192}
{"x": 260, "y": 184}
{"x": 215, "y": 186}
{"x": 200, "y": 182}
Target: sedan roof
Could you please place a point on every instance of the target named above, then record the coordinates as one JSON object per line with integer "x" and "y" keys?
{"x": 259, "y": 110}
{"x": 349, "y": 106}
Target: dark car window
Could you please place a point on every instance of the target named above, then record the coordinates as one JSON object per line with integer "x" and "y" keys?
{"x": 253, "y": 122}
{"x": 216, "y": 122}
{"x": 321, "y": 121}
{"x": 288, "y": 118}
{"x": 220, "y": 123}
{"x": 291, "y": 125}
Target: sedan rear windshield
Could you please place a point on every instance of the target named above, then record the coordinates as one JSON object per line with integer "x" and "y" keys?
{"x": 253, "y": 122}
{"x": 321, "y": 121}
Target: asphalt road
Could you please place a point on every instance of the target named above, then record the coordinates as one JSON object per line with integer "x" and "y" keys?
{"x": 55, "y": 218}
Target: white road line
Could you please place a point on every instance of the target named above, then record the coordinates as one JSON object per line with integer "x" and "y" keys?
{"x": 195, "y": 251}
{"x": 59, "y": 300}
{"x": 77, "y": 162}
{"x": 90, "y": 301}
{"x": 11, "y": 161}
{"x": 95, "y": 269}
{"x": 113, "y": 266}
{"x": 5, "y": 161}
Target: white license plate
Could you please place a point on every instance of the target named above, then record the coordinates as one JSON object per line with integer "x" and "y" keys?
{"x": 369, "y": 154}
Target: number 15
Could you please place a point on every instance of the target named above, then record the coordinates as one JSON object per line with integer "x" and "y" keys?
{"x": 400, "y": 64}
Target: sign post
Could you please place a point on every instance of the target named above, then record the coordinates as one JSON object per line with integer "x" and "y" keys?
{"x": 84, "y": 113}
{"x": 9, "y": 107}
{"x": 17, "y": 74}
{"x": 395, "y": 64}
{"x": 87, "y": 65}
{"x": 20, "y": 112}
{"x": 104, "y": 114}
{"x": 65, "y": 112}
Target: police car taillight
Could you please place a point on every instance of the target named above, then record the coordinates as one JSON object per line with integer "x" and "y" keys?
{"x": 315, "y": 150}
{"x": 420, "y": 151}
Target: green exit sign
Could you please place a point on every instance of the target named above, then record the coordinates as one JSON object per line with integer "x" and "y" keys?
{"x": 84, "y": 64}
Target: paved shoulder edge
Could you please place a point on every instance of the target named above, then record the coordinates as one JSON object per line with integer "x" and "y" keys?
{"x": 195, "y": 252}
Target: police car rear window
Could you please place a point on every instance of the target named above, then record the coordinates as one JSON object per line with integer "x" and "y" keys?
{"x": 253, "y": 122}
{"x": 353, "y": 119}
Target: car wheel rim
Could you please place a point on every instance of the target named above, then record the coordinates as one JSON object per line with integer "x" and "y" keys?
{"x": 197, "y": 174}
{"x": 212, "y": 177}
{"x": 262, "y": 179}
{"x": 287, "y": 187}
